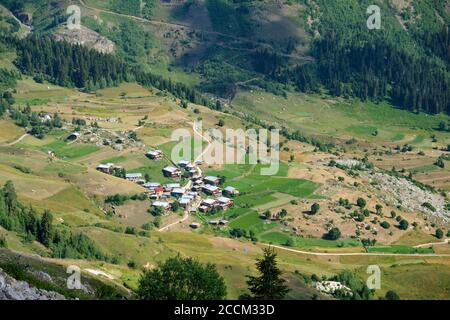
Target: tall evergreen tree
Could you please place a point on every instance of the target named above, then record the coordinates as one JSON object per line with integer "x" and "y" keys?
{"x": 268, "y": 285}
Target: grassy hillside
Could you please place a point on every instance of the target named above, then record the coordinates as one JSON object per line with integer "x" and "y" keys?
{"x": 253, "y": 57}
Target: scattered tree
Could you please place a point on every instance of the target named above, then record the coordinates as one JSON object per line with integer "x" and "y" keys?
{"x": 315, "y": 208}
{"x": 268, "y": 285}
{"x": 182, "y": 279}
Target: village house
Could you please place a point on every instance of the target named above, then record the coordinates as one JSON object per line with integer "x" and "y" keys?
{"x": 195, "y": 225}
{"x": 170, "y": 186}
{"x": 161, "y": 204}
{"x": 151, "y": 185}
{"x": 225, "y": 202}
{"x": 184, "y": 163}
{"x": 178, "y": 192}
{"x": 206, "y": 205}
{"x": 73, "y": 136}
{"x": 108, "y": 168}
{"x": 212, "y": 180}
{"x": 154, "y": 155}
{"x": 105, "y": 168}
{"x": 210, "y": 190}
{"x": 171, "y": 172}
{"x": 135, "y": 177}
{"x": 193, "y": 173}
{"x": 210, "y": 203}
{"x": 230, "y": 191}
{"x": 185, "y": 203}
{"x": 156, "y": 190}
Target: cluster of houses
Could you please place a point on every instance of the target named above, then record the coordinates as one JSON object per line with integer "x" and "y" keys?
{"x": 189, "y": 196}
{"x": 220, "y": 203}
{"x": 162, "y": 193}
{"x": 111, "y": 168}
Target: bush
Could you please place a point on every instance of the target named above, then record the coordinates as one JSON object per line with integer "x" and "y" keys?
{"x": 392, "y": 295}
{"x": 403, "y": 224}
{"x": 385, "y": 225}
{"x": 333, "y": 234}
{"x": 315, "y": 208}
{"x": 361, "y": 202}
{"x": 182, "y": 279}
{"x": 3, "y": 242}
{"x": 439, "y": 233}
{"x": 429, "y": 206}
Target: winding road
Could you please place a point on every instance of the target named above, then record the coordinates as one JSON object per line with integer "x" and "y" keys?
{"x": 185, "y": 26}
{"x": 189, "y": 183}
{"x": 362, "y": 254}
{"x": 15, "y": 141}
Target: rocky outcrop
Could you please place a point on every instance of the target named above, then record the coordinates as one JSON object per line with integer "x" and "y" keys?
{"x": 86, "y": 37}
{"x": 11, "y": 289}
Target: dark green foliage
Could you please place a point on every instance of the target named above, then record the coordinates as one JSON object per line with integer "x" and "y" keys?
{"x": 429, "y": 206}
{"x": 68, "y": 65}
{"x": 359, "y": 288}
{"x": 411, "y": 69}
{"x": 439, "y": 233}
{"x": 24, "y": 220}
{"x": 361, "y": 202}
{"x": 175, "y": 206}
{"x": 238, "y": 232}
{"x": 38, "y": 126}
{"x": 315, "y": 208}
{"x": 3, "y": 242}
{"x": 268, "y": 285}
{"x": 73, "y": 65}
{"x": 392, "y": 295}
{"x": 182, "y": 279}
{"x": 440, "y": 162}
{"x": 130, "y": 230}
{"x": 156, "y": 211}
{"x": 8, "y": 78}
{"x": 403, "y": 224}
{"x": 120, "y": 199}
{"x": 129, "y": 7}
{"x": 368, "y": 242}
{"x": 333, "y": 234}
{"x": 385, "y": 225}
{"x": 231, "y": 17}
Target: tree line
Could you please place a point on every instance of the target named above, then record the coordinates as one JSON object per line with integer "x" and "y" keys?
{"x": 72, "y": 65}
{"x": 25, "y": 220}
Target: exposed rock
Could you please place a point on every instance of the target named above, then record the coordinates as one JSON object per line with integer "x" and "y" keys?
{"x": 42, "y": 275}
{"x": 402, "y": 192}
{"x": 11, "y": 289}
{"x": 85, "y": 36}
{"x": 331, "y": 287}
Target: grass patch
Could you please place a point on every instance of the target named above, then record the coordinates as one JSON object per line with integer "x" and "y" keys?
{"x": 399, "y": 249}
{"x": 72, "y": 151}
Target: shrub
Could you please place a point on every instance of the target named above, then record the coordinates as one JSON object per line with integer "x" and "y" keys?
{"x": 403, "y": 224}
{"x": 385, "y": 225}
{"x": 361, "y": 202}
{"x": 439, "y": 233}
{"x": 392, "y": 295}
{"x": 315, "y": 208}
{"x": 333, "y": 234}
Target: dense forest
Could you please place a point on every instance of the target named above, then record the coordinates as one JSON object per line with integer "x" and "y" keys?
{"x": 76, "y": 66}
{"x": 14, "y": 216}
{"x": 410, "y": 69}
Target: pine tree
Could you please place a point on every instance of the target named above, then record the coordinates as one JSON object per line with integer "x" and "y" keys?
{"x": 46, "y": 229}
{"x": 268, "y": 285}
